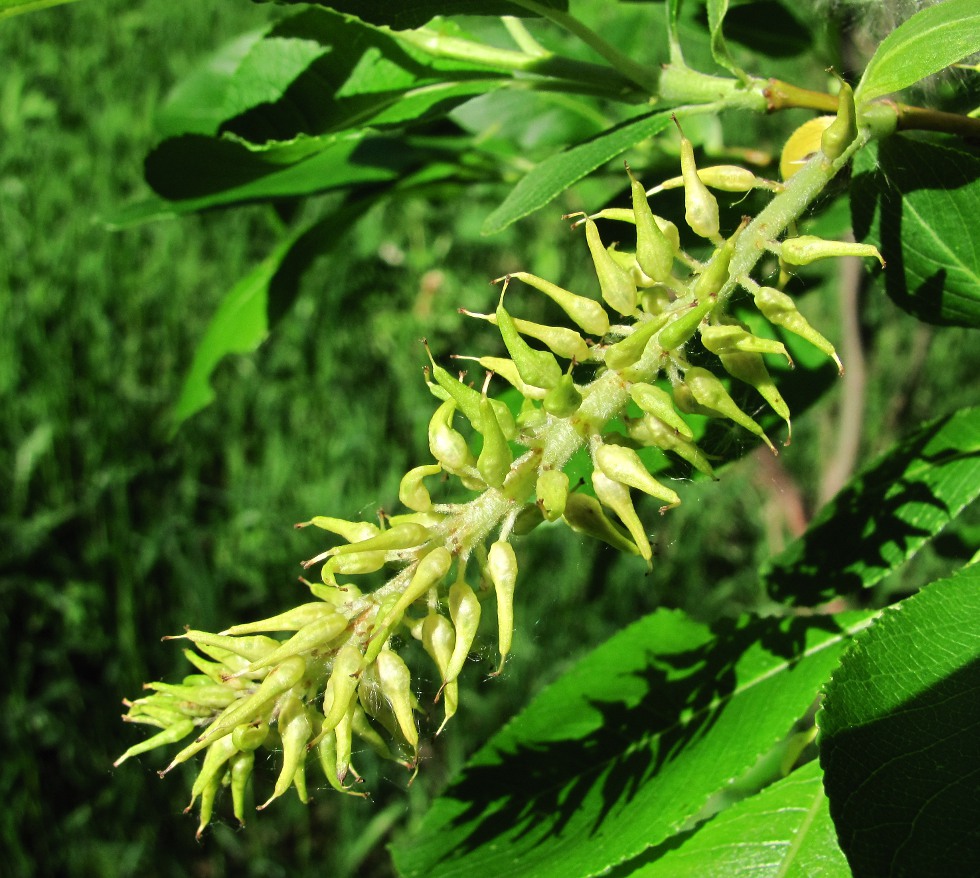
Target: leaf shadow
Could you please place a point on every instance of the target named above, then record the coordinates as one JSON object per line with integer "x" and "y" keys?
{"x": 865, "y": 531}
{"x": 526, "y": 792}
{"x": 906, "y": 166}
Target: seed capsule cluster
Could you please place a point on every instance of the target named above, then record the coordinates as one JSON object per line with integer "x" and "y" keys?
{"x": 310, "y": 682}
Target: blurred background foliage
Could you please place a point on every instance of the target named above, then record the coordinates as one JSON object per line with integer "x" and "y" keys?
{"x": 112, "y": 535}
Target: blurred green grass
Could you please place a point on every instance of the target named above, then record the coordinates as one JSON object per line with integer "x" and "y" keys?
{"x": 110, "y": 536}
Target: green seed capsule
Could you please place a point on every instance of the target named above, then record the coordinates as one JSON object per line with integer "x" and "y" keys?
{"x": 464, "y": 608}
{"x": 291, "y": 620}
{"x": 431, "y": 570}
{"x": 403, "y": 536}
{"x": 658, "y": 402}
{"x": 361, "y": 726}
{"x": 750, "y": 369}
{"x": 842, "y": 131}
{"x": 171, "y": 735}
{"x": 213, "y": 766}
{"x": 654, "y": 252}
{"x": 585, "y": 313}
{"x": 560, "y": 340}
{"x": 316, "y": 635}
{"x": 538, "y": 368}
{"x": 352, "y": 531}
{"x": 616, "y": 285}
{"x": 616, "y": 496}
{"x": 240, "y": 768}
{"x": 728, "y": 338}
{"x": 252, "y": 647}
{"x": 412, "y": 491}
{"x": 706, "y": 288}
{"x": 700, "y": 206}
{"x": 710, "y": 393}
{"x": 295, "y": 730}
{"x": 507, "y": 370}
{"x": 805, "y": 249}
{"x": 250, "y": 736}
{"x": 584, "y": 514}
{"x": 396, "y": 684}
{"x": 551, "y": 490}
{"x": 468, "y": 400}
{"x": 527, "y": 519}
{"x": 726, "y": 178}
{"x": 502, "y": 567}
{"x": 326, "y": 749}
{"x": 208, "y": 795}
{"x": 355, "y": 564}
{"x": 563, "y": 400}
{"x": 652, "y": 432}
{"x": 341, "y": 686}
{"x": 625, "y": 353}
{"x": 780, "y": 310}
{"x": 623, "y": 465}
{"x": 446, "y": 444}
{"x": 213, "y": 697}
{"x": 495, "y": 457}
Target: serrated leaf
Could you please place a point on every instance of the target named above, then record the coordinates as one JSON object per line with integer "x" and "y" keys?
{"x": 784, "y": 831}
{"x": 928, "y": 42}
{"x": 883, "y": 516}
{"x": 403, "y": 15}
{"x": 556, "y": 173}
{"x": 899, "y": 737}
{"x": 621, "y": 752}
{"x": 916, "y": 201}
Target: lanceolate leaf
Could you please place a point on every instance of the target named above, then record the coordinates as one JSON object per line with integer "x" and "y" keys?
{"x": 917, "y": 202}
{"x": 719, "y": 49}
{"x": 618, "y": 755}
{"x": 899, "y": 737}
{"x": 206, "y": 172}
{"x": 252, "y": 306}
{"x": 785, "y": 831}
{"x": 928, "y": 42}
{"x": 556, "y": 173}
{"x": 885, "y": 515}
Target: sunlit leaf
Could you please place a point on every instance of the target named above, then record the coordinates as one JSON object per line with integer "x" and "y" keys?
{"x": 917, "y": 201}
{"x": 931, "y": 40}
{"x": 555, "y": 174}
{"x": 785, "y": 831}
{"x": 619, "y": 754}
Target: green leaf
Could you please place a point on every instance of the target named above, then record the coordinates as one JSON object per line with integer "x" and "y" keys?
{"x": 717, "y": 10}
{"x": 928, "y": 42}
{"x": 884, "y": 516}
{"x": 899, "y": 737}
{"x": 10, "y": 8}
{"x": 785, "y": 831}
{"x": 238, "y": 327}
{"x": 917, "y": 202}
{"x": 556, "y": 173}
{"x": 255, "y": 303}
{"x": 403, "y": 15}
{"x": 205, "y": 172}
{"x": 673, "y": 11}
{"x": 623, "y": 751}
{"x": 251, "y": 70}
